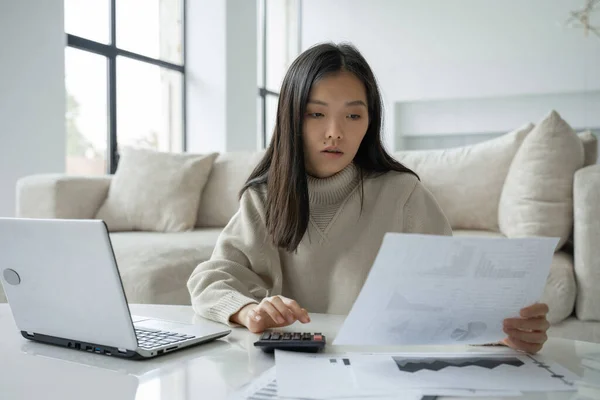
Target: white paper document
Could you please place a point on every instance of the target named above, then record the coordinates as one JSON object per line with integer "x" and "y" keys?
{"x": 333, "y": 375}
{"x": 426, "y": 289}
{"x": 265, "y": 388}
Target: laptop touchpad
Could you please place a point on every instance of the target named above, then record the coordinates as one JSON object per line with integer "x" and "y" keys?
{"x": 137, "y": 318}
{"x": 204, "y": 329}
{"x": 159, "y": 325}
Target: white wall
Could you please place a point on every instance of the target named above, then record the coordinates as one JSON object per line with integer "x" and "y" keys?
{"x": 242, "y": 65}
{"x": 32, "y": 93}
{"x": 221, "y": 70}
{"x": 450, "y": 49}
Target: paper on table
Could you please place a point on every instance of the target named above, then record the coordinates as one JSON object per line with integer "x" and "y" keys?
{"x": 332, "y": 375}
{"x": 331, "y": 380}
{"x": 426, "y": 289}
{"x": 265, "y": 388}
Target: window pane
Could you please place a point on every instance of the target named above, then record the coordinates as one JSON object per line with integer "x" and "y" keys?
{"x": 87, "y": 110}
{"x": 282, "y": 39}
{"x": 271, "y": 115}
{"x": 89, "y": 19}
{"x": 149, "y": 106}
{"x": 152, "y": 28}
{"x": 259, "y": 126}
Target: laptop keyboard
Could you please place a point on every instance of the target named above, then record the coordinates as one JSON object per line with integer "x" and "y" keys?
{"x": 152, "y": 339}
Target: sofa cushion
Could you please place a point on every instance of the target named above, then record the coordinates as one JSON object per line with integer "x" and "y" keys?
{"x": 155, "y": 267}
{"x": 478, "y": 233}
{"x": 467, "y": 181}
{"x": 220, "y": 198}
{"x": 61, "y": 195}
{"x": 155, "y": 191}
{"x": 590, "y": 147}
{"x": 576, "y": 329}
{"x": 537, "y": 198}
{"x": 560, "y": 290}
{"x": 586, "y": 211}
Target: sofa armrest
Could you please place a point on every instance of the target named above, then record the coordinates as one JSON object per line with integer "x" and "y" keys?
{"x": 61, "y": 196}
{"x": 586, "y": 234}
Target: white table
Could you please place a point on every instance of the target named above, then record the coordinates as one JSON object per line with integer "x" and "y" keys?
{"x": 212, "y": 371}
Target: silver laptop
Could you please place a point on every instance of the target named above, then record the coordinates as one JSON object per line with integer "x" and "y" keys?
{"x": 63, "y": 286}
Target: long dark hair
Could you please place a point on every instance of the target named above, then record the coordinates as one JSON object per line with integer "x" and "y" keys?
{"x": 282, "y": 168}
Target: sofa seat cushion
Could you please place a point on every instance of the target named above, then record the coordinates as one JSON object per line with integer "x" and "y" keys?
{"x": 155, "y": 266}
{"x": 560, "y": 290}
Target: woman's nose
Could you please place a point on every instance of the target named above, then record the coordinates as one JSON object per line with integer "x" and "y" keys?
{"x": 334, "y": 131}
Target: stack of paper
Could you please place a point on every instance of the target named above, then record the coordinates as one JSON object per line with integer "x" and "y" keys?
{"x": 265, "y": 388}
{"x": 376, "y": 374}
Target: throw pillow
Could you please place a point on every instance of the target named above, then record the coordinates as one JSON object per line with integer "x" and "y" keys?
{"x": 220, "y": 197}
{"x": 537, "y": 198}
{"x": 467, "y": 181}
{"x": 155, "y": 191}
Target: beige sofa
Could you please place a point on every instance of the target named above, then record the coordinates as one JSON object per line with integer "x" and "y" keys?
{"x": 470, "y": 183}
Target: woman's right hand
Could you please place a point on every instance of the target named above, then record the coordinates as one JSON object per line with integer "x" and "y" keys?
{"x": 271, "y": 312}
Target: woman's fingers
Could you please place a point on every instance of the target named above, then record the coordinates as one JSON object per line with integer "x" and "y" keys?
{"x": 301, "y": 313}
{"x": 517, "y": 344}
{"x": 264, "y": 317}
{"x": 535, "y": 310}
{"x": 285, "y": 311}
{"x": 256, "y": 321}
{"x": 528, "y": 337}
{"x": 528, "y": 333}
{"x": 272, "y": 312}
{"x": 276, "y": 311}
{"x": 306, "y": 317}
{"x": 290, "y": 309}
{"x": 533, "y": 324}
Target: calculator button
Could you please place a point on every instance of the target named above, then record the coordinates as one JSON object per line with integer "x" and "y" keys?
{"x": 265, "y": 336}
{"x": 317, "y": 338}
{"x": 287, "y": 336}
{"x": 276, "y": 336}
{"x": 297, "y": 336}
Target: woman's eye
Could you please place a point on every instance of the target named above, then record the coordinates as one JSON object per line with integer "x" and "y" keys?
{"x": 315, "y": 115}
{"x": 354, "y": 116}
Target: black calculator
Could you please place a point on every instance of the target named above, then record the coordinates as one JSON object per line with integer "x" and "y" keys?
{"x": 291, "y": 341}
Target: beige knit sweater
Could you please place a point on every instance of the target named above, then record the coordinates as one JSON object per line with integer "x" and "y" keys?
{"x": 332, "y": 262}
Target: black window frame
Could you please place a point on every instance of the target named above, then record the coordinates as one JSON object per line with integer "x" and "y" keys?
{"x": 263, "y": 91}
{"x": 111, "y": 52}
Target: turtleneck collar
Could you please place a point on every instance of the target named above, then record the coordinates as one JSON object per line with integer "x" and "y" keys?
{"x": 334, "y": 189}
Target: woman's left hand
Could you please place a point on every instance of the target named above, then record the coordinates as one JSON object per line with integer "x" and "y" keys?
{"x": 528, "y": 333}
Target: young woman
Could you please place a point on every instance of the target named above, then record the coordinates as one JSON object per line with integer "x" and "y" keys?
{"x": 314, "y": 211}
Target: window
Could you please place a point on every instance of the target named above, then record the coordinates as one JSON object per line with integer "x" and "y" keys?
{"x": 278, "y": 46}
{"x": 125, "y": 80}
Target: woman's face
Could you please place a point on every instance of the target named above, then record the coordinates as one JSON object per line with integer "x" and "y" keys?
{"x": 335, "y": 123}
